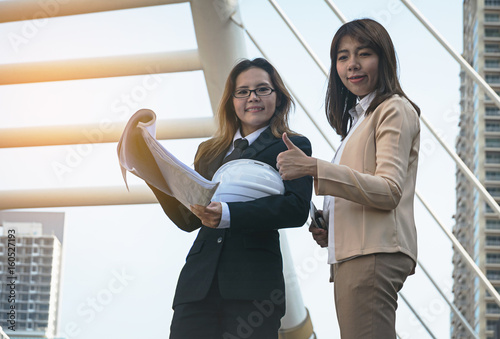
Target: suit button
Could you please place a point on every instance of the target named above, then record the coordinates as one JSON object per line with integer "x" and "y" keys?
{"x": 219, "y": 240}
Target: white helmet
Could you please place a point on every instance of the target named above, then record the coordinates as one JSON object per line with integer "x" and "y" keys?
{"x": 246, "y": 179}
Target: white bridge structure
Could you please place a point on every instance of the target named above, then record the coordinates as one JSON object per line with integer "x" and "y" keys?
{"x": 222, "y": 37}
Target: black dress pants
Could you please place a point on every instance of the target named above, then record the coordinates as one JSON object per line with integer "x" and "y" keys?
{"x": 217, "y": 318}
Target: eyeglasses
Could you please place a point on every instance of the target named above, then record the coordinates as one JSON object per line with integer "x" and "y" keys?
{"x": 259, "y": 91}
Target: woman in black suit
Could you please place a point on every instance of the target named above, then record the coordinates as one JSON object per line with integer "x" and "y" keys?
{"x": 232, "y": 284}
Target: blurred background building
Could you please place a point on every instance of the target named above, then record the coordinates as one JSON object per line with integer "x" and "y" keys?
{"x": 87, "y": 66}
{"x": 37, "y": 272}
{"x": 478, "y": 145}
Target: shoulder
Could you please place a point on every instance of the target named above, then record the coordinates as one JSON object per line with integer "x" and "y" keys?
{"x": 300, "y": 139}
{"x": 205, "y": 143}
{"x": 396, "y": 106}
{"x": 200, "y": 148}
{"x": 398, "y": 103}
{"x": 201, "y": 158}
{"x": 397, "y": 112}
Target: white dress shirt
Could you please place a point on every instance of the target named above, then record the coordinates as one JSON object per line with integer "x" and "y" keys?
{"x": 225, "y": 221}
{"x": 358, "y": 115}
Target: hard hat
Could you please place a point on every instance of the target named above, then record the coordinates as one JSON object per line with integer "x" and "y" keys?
{"x": 246, "y": 179}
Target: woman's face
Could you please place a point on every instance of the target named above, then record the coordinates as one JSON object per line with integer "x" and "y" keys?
{"x": 255, "y": 111}
{"x": 357, "y": 66}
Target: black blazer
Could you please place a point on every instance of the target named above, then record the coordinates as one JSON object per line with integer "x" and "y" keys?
{"x": 246, "y": 257}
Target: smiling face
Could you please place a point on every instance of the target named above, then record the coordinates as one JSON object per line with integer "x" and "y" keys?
{"x": 254, "y": 112}
{"x": 357, "y": 66}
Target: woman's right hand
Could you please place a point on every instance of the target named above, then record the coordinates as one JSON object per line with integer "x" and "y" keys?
{"x": 319, "y": 235}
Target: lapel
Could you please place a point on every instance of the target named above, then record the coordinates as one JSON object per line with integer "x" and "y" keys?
{"x": 265, "y": 139}
{"x": 213, "y": 166}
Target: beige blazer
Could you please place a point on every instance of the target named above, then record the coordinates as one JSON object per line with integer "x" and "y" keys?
{"x": 374, "y": 183}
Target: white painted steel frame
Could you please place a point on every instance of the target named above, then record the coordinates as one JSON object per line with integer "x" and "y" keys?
{"x": 220, "y": 42}
{"x": 417, "y": 315}
{"x": 11, "y": 10}
{"x": 101, "y": 67}
{"x": 451, "y": 304}
{"x": 83, "y": 134}
{"x": 76, "y": 196}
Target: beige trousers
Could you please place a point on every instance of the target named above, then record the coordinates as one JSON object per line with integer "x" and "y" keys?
{"x": 366, "y": 293}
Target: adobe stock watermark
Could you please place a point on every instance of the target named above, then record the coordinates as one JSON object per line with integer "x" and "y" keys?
{"x": 121, "y": 108}
{"x": 89, "y": 309}
{"x": 266, "y": 308}
{"x": 130, "y": 102}
{"x": 31, "y": 26}
{"x": 255, "y": 319}
{"x": 385, "y": 15}
{"x": 310, "y": 264}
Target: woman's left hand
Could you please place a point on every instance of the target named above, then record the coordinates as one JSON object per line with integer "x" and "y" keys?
{"x": 209, "y": 215}
{"x": 294, "y": 163}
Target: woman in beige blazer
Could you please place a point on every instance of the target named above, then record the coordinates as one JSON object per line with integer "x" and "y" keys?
{"x": 369, "y": 186}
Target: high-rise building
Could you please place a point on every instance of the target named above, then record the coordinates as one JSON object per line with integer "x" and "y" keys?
{"x": 478, "y": 145}
{"x": 30, "y": 267}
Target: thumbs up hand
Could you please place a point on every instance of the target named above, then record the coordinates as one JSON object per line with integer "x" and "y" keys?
{"x": 289, "y": 143}
{"x": 294, "y": 163}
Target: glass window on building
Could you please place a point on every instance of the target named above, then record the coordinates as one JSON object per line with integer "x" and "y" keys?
{"x": 492, "y": 126}
{"x": 492, "y": 142}
{"x": 493, "y": 111}
{"x": 492, "y": 63}
{"x": 492, "y": 48}
{"x": 493, "y": 78}
{"x": 493, "y": 175}
{"x": 491, "y": 17}
{"x": 488, "y": 210}
{"x": 494, "y": 191}
{"x": 492, "y": 32}
{"x": 492, "y": 224}
{"x": 495, "y": 3}
{"x": 493, "y": 258}
{"x": 491, "y": 325}
{"x": 492, "y": 157}
{"x": 48, "y": 242}
{"x": 493, "y": 274}
{"x": 492, "y": 240}
{"x": 45, "y": 307}
{"x": 492, "y": 308}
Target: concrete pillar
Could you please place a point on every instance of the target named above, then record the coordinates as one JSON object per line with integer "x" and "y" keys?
{"x": 220, "y": 42}
{"x": 296, "y": 324}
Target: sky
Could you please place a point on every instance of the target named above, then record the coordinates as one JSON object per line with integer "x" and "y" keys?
{"x": 121, "y": 263}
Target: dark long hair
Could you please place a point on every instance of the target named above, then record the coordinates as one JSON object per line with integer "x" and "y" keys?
{"x": 339, "y": 100}
{"x": 227, "y": 120}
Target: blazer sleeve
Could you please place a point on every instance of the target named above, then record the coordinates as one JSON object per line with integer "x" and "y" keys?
{"x": 176, "y": 211}
{"x": 396, "y": 127}
{"x": 276, "y": 211}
